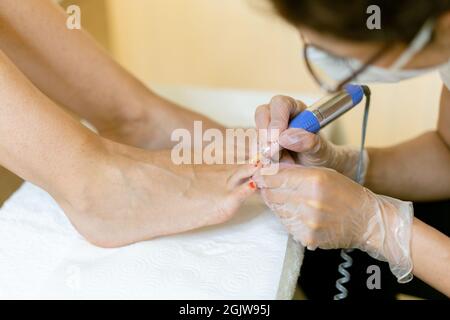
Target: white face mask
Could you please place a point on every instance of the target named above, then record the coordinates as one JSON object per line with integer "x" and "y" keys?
{"x": 339, "y": 69}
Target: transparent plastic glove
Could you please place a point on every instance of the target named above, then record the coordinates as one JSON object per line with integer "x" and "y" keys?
{"x": 324, "y": 209}
{"x": 308, "y": 149}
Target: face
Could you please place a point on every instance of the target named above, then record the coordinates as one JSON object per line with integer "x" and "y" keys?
{"x": 433, "y": 54}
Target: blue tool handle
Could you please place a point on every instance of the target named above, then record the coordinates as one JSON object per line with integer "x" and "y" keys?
{"x": 307, "y": 120}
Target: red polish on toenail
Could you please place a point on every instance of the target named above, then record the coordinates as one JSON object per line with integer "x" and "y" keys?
{"x": 252, "y": 184}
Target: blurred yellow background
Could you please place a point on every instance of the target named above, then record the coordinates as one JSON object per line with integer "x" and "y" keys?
{"x": 239, "y": 44}
{"x": 232, "y": 43}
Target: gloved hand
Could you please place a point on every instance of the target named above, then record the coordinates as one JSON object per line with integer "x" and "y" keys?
{"x": 308, "y": 149}
{"x": 323, "y": 209}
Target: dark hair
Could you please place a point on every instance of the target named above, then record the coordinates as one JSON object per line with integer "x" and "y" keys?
{"x": 400, "y": 19}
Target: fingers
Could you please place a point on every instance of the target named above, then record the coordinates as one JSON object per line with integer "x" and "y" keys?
{"x": 288, "y": 176}
{"x": 284, "y": 197}
{"x": 313, "y": 205}
{"x": 274, "y": 154}
{"x": 302, "y": 223}
{"x": 262, "y": 117}
{"x": 275, "y": 118}
{"x": 302, "y": 234}
{"x": 282, "y": 109}
{"x": 298, "y": 140}
{"x": 277, "y": 114}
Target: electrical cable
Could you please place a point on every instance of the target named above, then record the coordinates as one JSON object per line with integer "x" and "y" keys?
{"x": 348, "y": 261}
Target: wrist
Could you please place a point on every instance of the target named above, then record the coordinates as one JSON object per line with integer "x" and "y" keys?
{"x": 388, "y": 234}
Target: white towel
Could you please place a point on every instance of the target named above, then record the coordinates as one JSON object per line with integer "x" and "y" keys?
{"x": 42, "y": 256}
